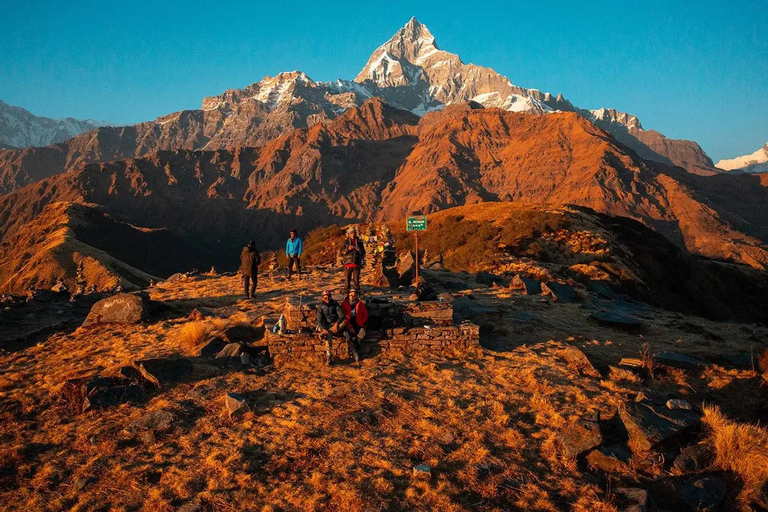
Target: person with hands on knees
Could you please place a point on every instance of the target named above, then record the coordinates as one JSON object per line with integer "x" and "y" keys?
{"x": 330, "y": 322}
{"x": 355, "y": 316}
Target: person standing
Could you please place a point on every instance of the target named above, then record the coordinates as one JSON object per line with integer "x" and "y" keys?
{"x": 352, "y": 253}
{"x": 249, "y": 268}
{"x": 293, "y": 249}
{"x": 330, "y": 322}
{"x": 355, "y": 317}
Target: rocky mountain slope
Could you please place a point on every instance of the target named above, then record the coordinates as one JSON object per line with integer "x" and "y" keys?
{"x": 378, "y": 162}
{"x": 754, "y": 162}
{"x": 409, "y": 71}
{"x": 20, "y": 128}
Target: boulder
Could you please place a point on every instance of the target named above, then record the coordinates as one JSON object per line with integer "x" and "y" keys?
{"x": 579, "y": 436}
{"x": 676, "y": 360}
{"x": 694, "y": 458}
{"x": 231, "y": 350}
{"x": 123, "y": 308}
{"x": 632, "y": 499}
{"x": 211, "y": 347}
{"x": 241, "y": 333}
{"x": 525, "y": 285}
{"x": 578, "y": 362}
{"x": 156, "y": 422}
{"x": 559, "y": 292}
{"x": 703, "y": 494}
{"x": 648, "y": 423}
{"x": 406, "y": 269}
{"x": 235, "y": 405}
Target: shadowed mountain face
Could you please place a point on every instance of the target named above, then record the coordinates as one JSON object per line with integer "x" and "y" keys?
{"x": 378, "y": 162}
{"x": 409, "y": 72}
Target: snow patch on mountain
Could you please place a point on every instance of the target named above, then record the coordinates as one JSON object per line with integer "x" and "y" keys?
{"x": 754, "y": 162}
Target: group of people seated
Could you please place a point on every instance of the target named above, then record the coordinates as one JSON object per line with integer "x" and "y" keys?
{"x": 344, "y": 321}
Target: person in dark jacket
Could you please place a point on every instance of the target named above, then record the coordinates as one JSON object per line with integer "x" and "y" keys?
{"x": 293, "y": 249}
{"x": 355, "y": 317}
{"x": 330, "y": 322}
{"x": 352, "y": 253}
{"x": 249, "y": 268}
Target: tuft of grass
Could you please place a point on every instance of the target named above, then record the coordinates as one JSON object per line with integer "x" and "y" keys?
{"x": 193, "y": 334}
{"x": 739, "y": 447}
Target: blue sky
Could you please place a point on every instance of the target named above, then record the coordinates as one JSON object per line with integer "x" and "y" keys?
{"x": 693, "y": 70}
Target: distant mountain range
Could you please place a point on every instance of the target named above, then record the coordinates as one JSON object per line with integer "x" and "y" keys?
{"x": 754, "y": 162}
{"x": 409, "y": 72}
{"x": 20, "y": 128}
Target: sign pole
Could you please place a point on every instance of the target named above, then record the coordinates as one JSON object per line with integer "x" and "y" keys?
{"x": 416, "y": 234}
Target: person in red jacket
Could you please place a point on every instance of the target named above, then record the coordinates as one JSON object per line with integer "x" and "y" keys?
{"x": 355, "y": 316}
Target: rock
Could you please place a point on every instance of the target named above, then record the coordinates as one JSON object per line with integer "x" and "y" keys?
{"x": 677, "y": 403}
{"x": 166, "y": 372}
{"x": 488, "y": 279}
{"x": 241, "y": 333}
{"x": 175, "y": 278}
{"x": 632, "y": 499}
{"x": 578, "y": 362}
{"x": 559, "y": 292}
{"x": 80, "y": 483}
{"x": 631, "y": 362}
{"x": 676, "y": 360}
{"x": 601, "y": 288}
{"x": 231, "y": 350}
{"x": 423, "y": 291}
{"x": 129, "y": 373}
{"x": 622, "y": 375}
{"x": 103, "y": 392}
{"x": 211, "y": 347}
{"x": 157, "y": 422}
{"x": 648, "y": 423}
{"x": 201, "y": 312}
{"x": 608, "y": 459}
{"x": 422, "y": 471}
{"x": 202, "y": 391}
{"x": 123, "y": 308}
{"x": 406, "y": 269}
{"x": 525, "y": 285}
{"x": 194, "y": 505}
{"x": 245, "y": 359}
{"x": 59, "y": 287}
{"x": 694, "y": 458}
{"x": 616, "y": 320}
{"x": 703, "y": 494}
{"x": 235, "y": 404}
{"x": 579, "y": 436}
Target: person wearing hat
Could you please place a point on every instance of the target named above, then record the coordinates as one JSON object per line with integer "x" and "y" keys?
{"x": 330, "y": 322}
{"x": 355, "y": 317}
{"x": 293, "y": 249}
{"x": 352, "y": 253}
{"x": 249, "y": 268}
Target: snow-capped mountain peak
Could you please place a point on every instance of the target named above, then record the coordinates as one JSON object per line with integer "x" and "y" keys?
{"x": 20, "y": 128}
{"x": 754, "y": 162}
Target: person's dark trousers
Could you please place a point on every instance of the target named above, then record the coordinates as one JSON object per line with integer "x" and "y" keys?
{"x": 250, "y": 285}
{"x": 329, "y": 341}
{"x": 353, "y": 274}
{"x": 291, "y": 260}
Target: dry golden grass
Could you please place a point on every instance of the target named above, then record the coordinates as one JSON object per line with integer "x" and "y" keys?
{"x": 742, "y": 448}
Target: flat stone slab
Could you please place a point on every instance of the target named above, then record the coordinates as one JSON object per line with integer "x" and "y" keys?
{"x": 559, "y": 292}
{"x": 676, "y": 360}
{"x": 580, "y": 436}
{"x": 648, "y": 423}
{"x": 616, "y": 320}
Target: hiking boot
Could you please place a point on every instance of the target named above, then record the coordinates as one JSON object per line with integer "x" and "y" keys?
{"x": 356, "y": 355}
{"x": 328, "y": 358}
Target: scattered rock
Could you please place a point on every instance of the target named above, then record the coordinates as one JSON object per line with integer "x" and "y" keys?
{"x": 235, "y": 404}
{"x": 109, "y": 396}
{"x": 488, "y": 279}
{"x": 579, "y": 436}
{"x": 59, "y": 287}
{"x": 703, "y": 494}
{"x": 80, "y": 483}
{"x": 165, "y": 372}
{"x": 211, "y": 347}
{"x": 578, "y": 362}
{"x": 129, "y": 372}
{"x": 194, "y": 505}
{"x": 123, "y": 308}
{"x": 422, "y": 471}
{"x": 525, "y": 285}
{"x": 676, "y": 360}
{"x": 622, "y": 375}
{"x": 616, "y": 320}
{"x": 559, "y": 292}
{"x": 241, "y": 333}
{"x": 406, "y": 269}
{"x": 693, "y": 459}
{"x": 231, "y": 350}
{"x": 175, "y": 278}
{"x": 631, "y": 362}
{"x": 156, "y": 422}
{"x": 202, "y": 391}
{"x": 632, "y": 499}
{"x": 245, "y": 359}
{"x": 678, "y": 403}
{"x": 201, "y": 312}
{"x": 648, "y": 423}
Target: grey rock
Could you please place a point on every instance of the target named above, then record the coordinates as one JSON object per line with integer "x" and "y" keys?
{"x": 231, "y": 350}
{"x": 676, "y": 360}
{"x": 123, "y": 308}
{"x": 678, "y": 403}
{"x": 578, "y": 362}
{"x": 648, "y": 423}
{"x": 579, "y": 436}
{"x": 634, "y": 499}
{"x": 616, "y": 320}
{"x": 235, "y": 404}
{"x": 102, "y": 393}
{"x": 194, "y": 505}
{"x": 694, "y": 458}
{"x": 406, "y": 269}
{"x": 559, "y": 292}
{"x": 703, "y": 494}
{"x": 525, "y": 285}
{"x": 245, "y": 359}
{"x": 157, "y": 422}
{"x": 211, "y": 347}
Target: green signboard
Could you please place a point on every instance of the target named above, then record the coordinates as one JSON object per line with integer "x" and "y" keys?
{"x": 416, "y": 223}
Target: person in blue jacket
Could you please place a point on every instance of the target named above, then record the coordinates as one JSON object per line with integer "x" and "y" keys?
{"x": 293, "y": 249}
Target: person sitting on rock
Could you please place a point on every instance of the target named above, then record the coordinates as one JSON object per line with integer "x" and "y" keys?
{"x": 355, "y": 316}
{"x": 249, "y": 268}
{"x": 293, "y": 249}
{"x": 352, "y": 253}
{"x": 330, "y": 322}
